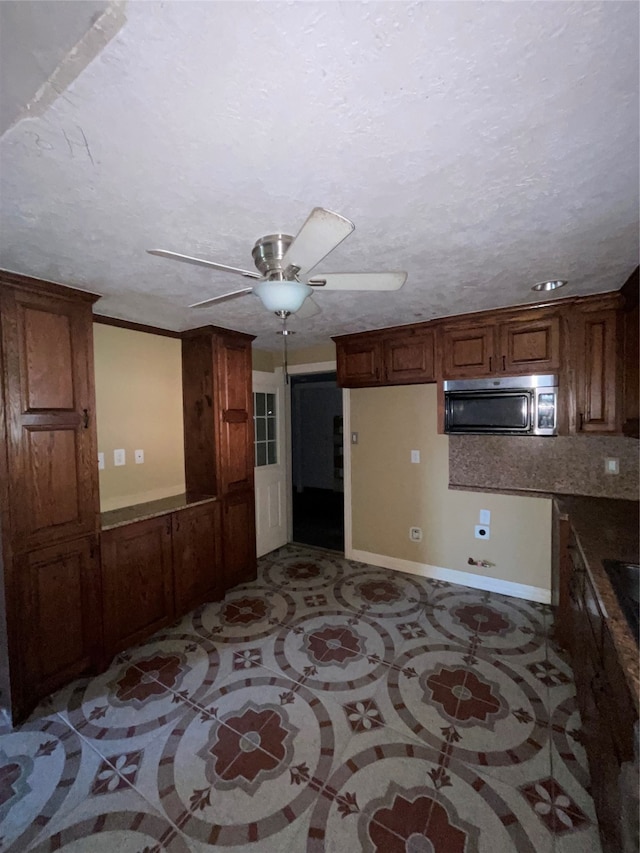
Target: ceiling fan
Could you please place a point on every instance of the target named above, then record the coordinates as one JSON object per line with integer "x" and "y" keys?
{"x": 284, "y": 265}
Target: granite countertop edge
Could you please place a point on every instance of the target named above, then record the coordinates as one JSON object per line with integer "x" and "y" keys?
{"x": 114, "y": 518}
{"x": 622, "y": 545}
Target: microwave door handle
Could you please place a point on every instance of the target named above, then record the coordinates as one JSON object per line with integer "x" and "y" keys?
{"x": 534, "y": 425}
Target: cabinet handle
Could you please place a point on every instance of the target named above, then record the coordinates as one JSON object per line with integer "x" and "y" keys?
{"x": 580, "y": 420}
{"x": 490, "y": 363}
{"x": 168, "y": 524}
{"x": 504, "y": 363}
{"x": 177, "y": 524}
{"x": 85, "y": 418}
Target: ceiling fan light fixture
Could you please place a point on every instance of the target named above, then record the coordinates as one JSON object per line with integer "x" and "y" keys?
{"x": 282, "y": 295}
{"x": 554, "y": 284}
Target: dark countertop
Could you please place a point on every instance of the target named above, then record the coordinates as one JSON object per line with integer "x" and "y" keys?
{"x": 141, "y": 512}
{"x": 608, "y": 529}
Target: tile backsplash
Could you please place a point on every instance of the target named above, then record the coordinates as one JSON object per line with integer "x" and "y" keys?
{"x": 572, "y": 465}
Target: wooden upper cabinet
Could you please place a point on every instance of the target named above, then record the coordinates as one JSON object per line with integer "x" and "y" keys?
{"x": 513, "y": 347}
{"x": 218, "y": 411}
{"x": 359, "y": 362}
{"x": 529, "y": 346}
{"x": 596, "y": 370}
{"x": 467, "y": 351}
{"x": 631, "y": 357}
{"x": 235, "y": 400}
{"x": 197, "y": 558}
{"x": 409, "y": 358}
{"x": 48, "y": 373}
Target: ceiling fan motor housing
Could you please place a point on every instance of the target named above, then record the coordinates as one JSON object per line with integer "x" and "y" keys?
{"x": 268, "y": 253}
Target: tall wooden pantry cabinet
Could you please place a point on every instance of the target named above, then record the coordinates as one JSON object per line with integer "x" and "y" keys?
{"x": 218, "y": 430}
{"x": 49, "y": 500}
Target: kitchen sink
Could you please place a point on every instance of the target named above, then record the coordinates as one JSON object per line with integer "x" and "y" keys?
{"x": 625, "y": 579}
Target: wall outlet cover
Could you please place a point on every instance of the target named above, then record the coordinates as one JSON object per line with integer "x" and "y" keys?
{"x": 415, "y": 534}
{"x": 485, "y": 516}
{"x": 100, "y": 461}
{"x": 138, "y": 455}
{"x": 415, "y": 456}
{"x": 482, "y": 531}
{"x": 612, "y": 465}
{"x": 119, "y": 457}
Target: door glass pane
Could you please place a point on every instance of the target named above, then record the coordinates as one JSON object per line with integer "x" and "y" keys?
{"x": 265, "y": 428}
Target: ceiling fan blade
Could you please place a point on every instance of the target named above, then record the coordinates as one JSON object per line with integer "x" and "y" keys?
{"x": 225, "y": 296}
{"x": 174, "y": 256}
{"x": 359, "y": 281}
{"x": 309, "y": 309}
{"x": 320, "y": 234}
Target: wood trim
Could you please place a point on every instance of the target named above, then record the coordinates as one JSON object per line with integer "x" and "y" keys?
{"x": 214, "y": 330}
{"x": 103, "y": 320}
{"x": 49, "y": 288}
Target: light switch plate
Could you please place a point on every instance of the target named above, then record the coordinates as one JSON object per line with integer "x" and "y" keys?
{"x": 119, "y": 457}
{"x": 100, "y": 461}
{"x": 611, "y": 465}
{"x": 485, "y": 516}
{"x": 415, "y": 456}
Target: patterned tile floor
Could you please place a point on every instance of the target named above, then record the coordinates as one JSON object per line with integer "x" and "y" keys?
{"x": 329, "y": 706}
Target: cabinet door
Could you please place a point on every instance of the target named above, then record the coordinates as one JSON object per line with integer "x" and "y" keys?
{"x": 408, "y": 358}
{"x": 359, "y": 363}
{"x": 467, "y": 351}
{"x": 238, "y": 531}
{"x": 48, "y": 362}
{"x": 233, "y": 379}
{"x": 596, "y": 374}
{"x": 196, "y": 543}
{"x": 531, "y": 346}
{"x": 137, "y": 584}
{"x": 56, "y": 617}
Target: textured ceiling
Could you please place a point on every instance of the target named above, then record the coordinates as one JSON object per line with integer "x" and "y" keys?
{"x": 480, "y": 146}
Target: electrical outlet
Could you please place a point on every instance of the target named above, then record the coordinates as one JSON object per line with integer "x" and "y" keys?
{"x": 415, "y": 534}
{"x": 119, "y": 457}
{"x": 354, "y": 438}
{"x": 415, "y": 456}
{"x": 611, "y": 466}
{"x": 482, "y": 531}
{"x": 100, "y": 461}
{"x": 485, "y": 516}
{"x": 138, "y": 455}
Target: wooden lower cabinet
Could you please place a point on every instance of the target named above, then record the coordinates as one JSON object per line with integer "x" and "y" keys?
{"x": 137, "y": 582}
{"x": 58, "y": 632}
{"x": 606, "y": 708}
{"x": 197, "y": 559}
{"x": 238, "y": 525}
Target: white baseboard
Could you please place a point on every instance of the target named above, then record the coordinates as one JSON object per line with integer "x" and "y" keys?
{"x": 517, "y": 590}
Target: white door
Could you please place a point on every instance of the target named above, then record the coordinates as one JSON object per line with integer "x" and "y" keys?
{"x": 270, "y": 461}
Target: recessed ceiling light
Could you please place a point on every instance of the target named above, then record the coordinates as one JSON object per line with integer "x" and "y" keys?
{"x": 549, "y": 285}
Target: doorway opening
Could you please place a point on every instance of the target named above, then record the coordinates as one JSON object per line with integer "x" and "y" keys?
{"x": 317, "y": 472}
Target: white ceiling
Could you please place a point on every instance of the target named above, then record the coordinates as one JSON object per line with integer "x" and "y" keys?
{"x": 480, "y": 146}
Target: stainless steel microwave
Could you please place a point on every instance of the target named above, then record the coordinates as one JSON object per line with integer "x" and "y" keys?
{"x": 509, "y": 405}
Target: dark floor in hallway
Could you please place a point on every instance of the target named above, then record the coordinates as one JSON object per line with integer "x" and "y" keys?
{"x": 318, "y": 518}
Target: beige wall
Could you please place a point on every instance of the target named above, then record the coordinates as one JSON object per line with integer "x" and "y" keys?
{"x": 139, "y": 406}
{"x": 262, "y": 360}
{"x": 310, "y": 355}
{"x": 390, "y": 495}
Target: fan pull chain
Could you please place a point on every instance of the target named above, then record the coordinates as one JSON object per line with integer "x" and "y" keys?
{"x": 282, "y": 315}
